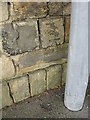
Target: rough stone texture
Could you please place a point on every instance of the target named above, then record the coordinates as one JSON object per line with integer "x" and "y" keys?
{"x": 10, "y": 36}
{"x": 66, "y": 8}
{"x": 52, "y": 31}
{"x": 54, "y": 77}
{"x": 8, "y": 69}
{"x": 27, "y": 61}
{"x": 28, "y": 36}
{"x": 3, "y": 11}
{"x": 6, "y": 99}
{"x": 19, "y": 88}
{"x": 55, "y": 8}
{"x": 23, "y": 10}
{"x": 20, "y": 37}
{"x": 37, "y": 82}
{"x": 64, "y": 73}
{"x": 67, "y": 28}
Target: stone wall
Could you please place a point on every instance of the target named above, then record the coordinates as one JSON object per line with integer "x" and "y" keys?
{"x": 33, "y": 48}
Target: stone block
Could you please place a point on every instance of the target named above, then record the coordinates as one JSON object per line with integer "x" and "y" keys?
{"x": 3, "y": 11}
{"x": 19, "y": 88}
{"x": 8, "y": 69}
{"x": 37, "y": 82}
{"x": 67, "y": 28}
{"x": 55, "y": 8}
{"x": 66, "y": 8}
{"x": 5, "y": 98}
{"x": 20, "y": 37}
{"x": 25, "y": 10}
{"x": 54, "y": 77}
{"x": 9, "y": 35}
{"x": 52, "y": 31}
{"x": 41, "y": 58}
{"x": 64, "y": 73}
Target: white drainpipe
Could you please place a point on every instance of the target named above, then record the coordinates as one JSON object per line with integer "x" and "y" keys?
{"x": 77, "y": 71}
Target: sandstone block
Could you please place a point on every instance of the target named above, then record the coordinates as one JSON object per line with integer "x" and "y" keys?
{"x": 52, "y": 31}
{"x": 20, "y": 37}
{"x": 19, "y": 88}
{"x": 55, "y": 8}
{"x": 41, "y": 58}
{"x": 5, "y": 98}
{"x": 8, "y": 69}
{"x": 66, "y": 8}
{"x": 3, "y": 11}
{"x": 25, "y": 10}
{"x": 37, "y": 82}
{"x": 54, "y": 77}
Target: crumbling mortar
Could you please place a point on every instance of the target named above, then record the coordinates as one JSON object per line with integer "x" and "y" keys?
{"x": 39, "y": 34}
{"x": 29, "y": 85}
{"x": 10, "y": 92}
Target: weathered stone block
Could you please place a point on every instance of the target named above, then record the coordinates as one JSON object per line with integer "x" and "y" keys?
{"x": 20, "y": 37}
{"x": 66, "y": 8}
{"x": 39, "y": 59}
{"x": 54, "y": 77}
{"x": 52, "y": 31}
{"x": 3, "y": 11}
{"x": 19, "y": 88}
{"x": 8, "y": 69}
{"x": 10, "y": 36}
{"x": 64, "y": 73}
{"x": 23, "y": 10}
{"x": 37, "y": 82}
{"x": 67, "y": 28}
{"x": 28, "y": 36}
{"x": 55, "y": 8}
{"x": 5, "y": 98}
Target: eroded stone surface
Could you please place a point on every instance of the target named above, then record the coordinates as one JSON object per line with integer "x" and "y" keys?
{"x": 3, "y": 11}
{"x": 55, "y": 8}
{"x": 5, "y": 98}
{"x": 27, "y": 61}
{"x": 19, "y": 89}
{"x": 66, "y": 8}
{"x": 8, "y": 69}
{"x": 23, "y": 10}
{"x": 20, "y": 37}
{"x": 52, "y": 32}
{"x": 37, "y": 82}
{"x": 54, "y": 77}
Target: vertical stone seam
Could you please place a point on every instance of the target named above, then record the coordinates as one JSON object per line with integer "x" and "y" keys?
{"x": 14, "y": 67}
{"x": 9, "y": 5}
{"x": 29, "y": 84}
{"x": 64, "y": 20}
{"x": 48, "y": 9}
{"x": 10, "y": 93}
{"x": 39, "y": 34}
